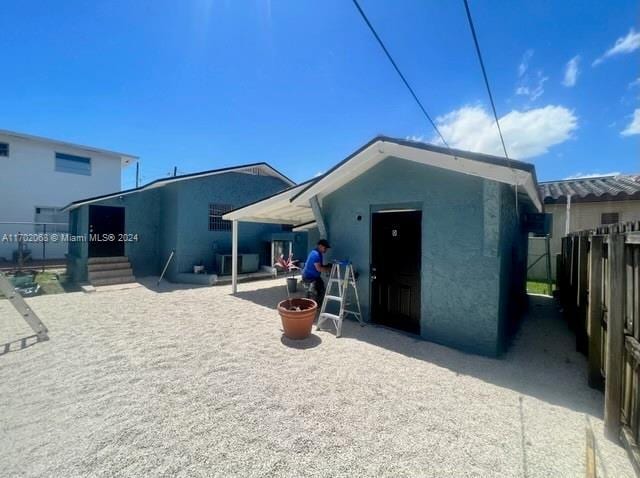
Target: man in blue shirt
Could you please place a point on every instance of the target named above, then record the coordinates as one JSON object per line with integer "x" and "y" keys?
{"x": 313, "y": 268}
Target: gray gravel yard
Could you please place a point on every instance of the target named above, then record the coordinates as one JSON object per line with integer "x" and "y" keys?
{"x": 196, "y": 382}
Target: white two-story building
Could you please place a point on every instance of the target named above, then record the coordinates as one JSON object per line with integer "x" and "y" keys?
{"x": 38, "y": 176}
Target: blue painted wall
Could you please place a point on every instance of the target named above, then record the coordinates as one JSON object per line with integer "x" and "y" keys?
{"x": 176, "y": 216}
{"x": 194, "y": 240}
{"x": 513, "y": 261}
{"x": 463, "y": 244}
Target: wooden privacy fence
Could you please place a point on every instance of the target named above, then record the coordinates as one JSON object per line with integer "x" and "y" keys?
{"x": 599, "y": 283}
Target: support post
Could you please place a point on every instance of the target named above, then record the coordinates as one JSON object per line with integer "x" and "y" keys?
{"x": 234, "y": 256}
{"x": 317, "y": 214}
{"x": 615, "y": 337}
{"x": 595, "y": 312}
{"x": 547, "y": 250}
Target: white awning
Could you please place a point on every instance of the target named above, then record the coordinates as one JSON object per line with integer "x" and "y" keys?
{"x": 276, "y": 209}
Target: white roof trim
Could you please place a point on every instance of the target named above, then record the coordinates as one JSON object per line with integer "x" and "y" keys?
{"x": 275, "y": 209}
{"x": 125, "y": 159}
{"x": 305, "y": 227}
{"x": 381, "y": 150}
{"x": 158, "y": 183}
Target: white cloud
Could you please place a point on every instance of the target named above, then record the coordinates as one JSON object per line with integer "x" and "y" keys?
{"x": 634, "y": 126}
{"x": 634, "y": 83}
{"x": 623, "y": 45}
{"x": 524, "y": 63}
{"x": 532, "y": 91}
{"x": 415, "y": 137}
{"x": 592, "y": 175}
{"x": 526, "y": 133}
{"x": 571, "y": 72}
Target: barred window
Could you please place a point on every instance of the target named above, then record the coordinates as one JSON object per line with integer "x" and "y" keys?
{"x": 609, "y": 218}
{"x": 4, "y": 149}
{"x": 216, "y": 211}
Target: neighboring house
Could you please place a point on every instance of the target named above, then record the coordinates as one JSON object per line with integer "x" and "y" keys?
{"x": 435, "y": 235}
{"x": 181, "y": 214}
{"x": 38, "y": 176}
{"x": 587, "y": 203}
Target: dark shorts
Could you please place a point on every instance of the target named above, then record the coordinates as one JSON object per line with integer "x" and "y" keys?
{"x": 316, "y": 289}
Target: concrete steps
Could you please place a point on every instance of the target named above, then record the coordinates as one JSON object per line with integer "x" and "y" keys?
{"x": 109, "y": 271}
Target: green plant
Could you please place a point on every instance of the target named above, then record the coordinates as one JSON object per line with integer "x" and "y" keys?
{"x": 288, "y": 265}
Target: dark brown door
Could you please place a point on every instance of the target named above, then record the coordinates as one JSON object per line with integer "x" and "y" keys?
{"x": 106, "y": 225}
{"x": 395, "y": 269}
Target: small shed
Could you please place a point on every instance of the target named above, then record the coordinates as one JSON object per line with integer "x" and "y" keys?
{"x": 132, "y": 233}
{"x": 436, "y": 236}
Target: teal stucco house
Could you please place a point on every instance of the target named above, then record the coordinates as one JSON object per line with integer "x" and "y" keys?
{"x": 133, "y": 233}
{"x": 437, "y": 236}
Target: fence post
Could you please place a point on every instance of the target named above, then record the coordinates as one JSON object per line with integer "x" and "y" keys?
{"x": 615, "y": 337}
{"x": 595, "y": 312}
{"x": 582, "y": 340}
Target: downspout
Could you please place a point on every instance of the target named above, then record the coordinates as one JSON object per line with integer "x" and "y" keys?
{"x": 317, "y": 214}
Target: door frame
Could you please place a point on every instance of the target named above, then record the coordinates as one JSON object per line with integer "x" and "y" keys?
{"x": 122, "y": 245}
{"x": 391, "y": 208}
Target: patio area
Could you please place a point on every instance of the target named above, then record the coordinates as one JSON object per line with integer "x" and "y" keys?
{"x": 176, "y": 380}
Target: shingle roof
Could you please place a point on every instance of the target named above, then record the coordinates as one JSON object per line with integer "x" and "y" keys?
{"x": 604, "y": 188}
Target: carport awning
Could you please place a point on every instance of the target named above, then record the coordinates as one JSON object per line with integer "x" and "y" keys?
{"x": 277, "y": 209}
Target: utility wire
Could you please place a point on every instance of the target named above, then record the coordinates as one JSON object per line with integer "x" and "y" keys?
{"x": 484, "y": 74}
{"x": 402, "y": 77}
{"x": 493, "y": 105}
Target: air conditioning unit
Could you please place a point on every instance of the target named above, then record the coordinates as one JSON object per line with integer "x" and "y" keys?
{"x": 246, "y": 263}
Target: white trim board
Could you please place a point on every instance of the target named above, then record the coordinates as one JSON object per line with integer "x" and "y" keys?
{"x": 381, "y": 150}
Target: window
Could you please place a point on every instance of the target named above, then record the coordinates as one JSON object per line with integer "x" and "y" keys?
{"x": 216, "y": 211}
{"x": 4, "y": 150}
{"x": 54, "y": 220}
{"x": 68, "y": 163}
{"x": 609, "y": 218}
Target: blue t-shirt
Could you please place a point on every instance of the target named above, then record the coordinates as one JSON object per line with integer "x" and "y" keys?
{"x": 310, "y": 271}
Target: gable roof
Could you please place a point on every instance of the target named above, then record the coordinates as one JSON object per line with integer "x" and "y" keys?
{"x": 603, "y": 188}
{"x": 292, "y": 206}
{"x": 382, "y": 147}
{"x": 125, "y": 159}
{"x": 262, "y": 168}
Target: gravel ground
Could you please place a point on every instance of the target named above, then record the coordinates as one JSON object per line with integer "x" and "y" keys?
{"x": 196, "y": 382}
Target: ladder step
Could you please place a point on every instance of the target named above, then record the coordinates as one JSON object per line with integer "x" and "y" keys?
{"x": 326, "y": 315}
{"x": 334, "y": 297}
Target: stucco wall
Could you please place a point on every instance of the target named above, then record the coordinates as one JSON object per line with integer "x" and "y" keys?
{"x": 142, "y": 218}
{"x": 461, "y": 246}
{"x": 513, "y": 261}
{"x": 194, "y": 240}
{"x": 583, "y": 216}
{"x": 176, "y": 216}
{"x": 29, "y": 180}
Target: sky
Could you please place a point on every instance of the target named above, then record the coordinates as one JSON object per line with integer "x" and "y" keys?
{"x": 203, "y": 84}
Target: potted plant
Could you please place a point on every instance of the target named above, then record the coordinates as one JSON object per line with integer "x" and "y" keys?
{"x": 289, "y": 266}
{"x": 297, "y": 317}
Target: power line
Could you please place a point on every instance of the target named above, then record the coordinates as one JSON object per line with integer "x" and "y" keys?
{"x": 484, "y": 74}
{"x": 493, "y": 105}
{"x": 404, "y": 80}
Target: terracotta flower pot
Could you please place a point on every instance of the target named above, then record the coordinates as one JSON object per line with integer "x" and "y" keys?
{"x": 297, "y": 317}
